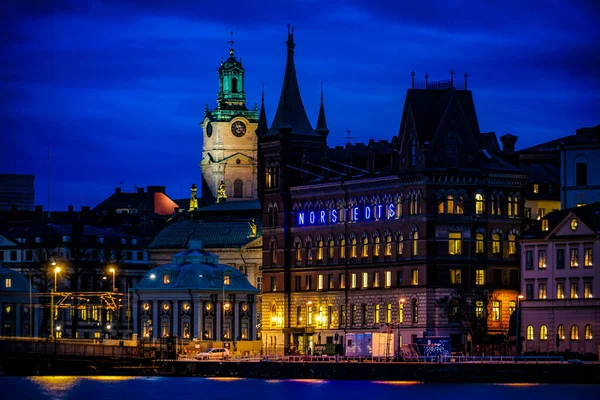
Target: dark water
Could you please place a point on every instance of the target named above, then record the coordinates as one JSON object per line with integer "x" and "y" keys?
{"x": 111, "y": 388}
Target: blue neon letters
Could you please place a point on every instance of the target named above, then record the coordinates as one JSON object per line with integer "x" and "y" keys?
{"x": 364, "y": 213}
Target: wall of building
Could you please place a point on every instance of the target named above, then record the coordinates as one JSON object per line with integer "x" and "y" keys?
{"x": 572, "y": 194}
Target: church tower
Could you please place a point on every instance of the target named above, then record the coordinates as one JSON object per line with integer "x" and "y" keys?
{"x": 229, "y": 151}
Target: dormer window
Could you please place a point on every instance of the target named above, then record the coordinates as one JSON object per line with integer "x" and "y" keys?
{"x": 574, "y": 224}
{"x": 536, "y": 188}
{"x": 166, "y": 279}
{"x": 226, "y": 280}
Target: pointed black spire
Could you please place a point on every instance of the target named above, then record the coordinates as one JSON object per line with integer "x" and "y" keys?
{"x": 263, "y": 126}
{"x": 290, "y": 110}
{"x": 322, "y": 121}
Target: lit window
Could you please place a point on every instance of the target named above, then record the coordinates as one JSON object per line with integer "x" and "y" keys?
{"x": 440, "y": 205}
{"x": 587, "y": 257}
{"x": 460, "y": 205}
{"x": 400, "y": 245}
{"x": 376, "y": 279}
{"x": 388, "y": 279}
{"x": 530, "y": 333}
{"x": 543, "y": 332}
{"x": 320, "y": 282}
{"x": 560, "y": 290}
{"x": 342, "y": 249}
{"x": 512, "y": 244}
{"x": 574, "y": 258}
{"x": 581, "y": 204}
{"x": 450, "y": 202}
{"x": 415, "y": 243}
{"x": 574, "y": 224}
{"x": 541, "y": 259}
{"x": 536, "y": 188}
{"x": 415, "y": 311}
{"x": 331, "y": 249}
{"x": 495, "y": 243}
{"x": 587, "y": 290}
{"x": 574, "y": 292}
{"x": 455, "y": 243}
{"x": 510, "y": 206}
{"x": 166, "y": 279}
{"x": 401, "y": 312}
{"x": 365, "y": 247}
{"x": 560, "y": 331}
{"x": 574, "y": 332}
{"x": 455, "y": 276}
{"x": 388, "y": 245}
{"x": 414, "y": 277}
{"x": 588, "y": 332}
{"x": 480, "y": 277}
{"x": 544, "y": 224}
{"x": 542, "y": 290}
{"x": 226, "y": 280}
{"x": 479, "y": 309}
{"x": 479, "y": 204}
{"x": 377, "y": 313}
{"x": 353, "y": 249}
{"x": 388, "y": 313}
{"x": 298, "y": 251}
{"x": 8, "y": 283}
{"x": 376, "y": 247}
{"x": 512, "y": 306}
{"x": 353, "y": 281}
{"x": 365, "y": 280}
{"x": 320, "y": 250}
{"x": 496, "y": 311}
{"x": 479, "y": 245}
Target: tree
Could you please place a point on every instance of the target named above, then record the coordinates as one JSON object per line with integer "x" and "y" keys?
{"x": 469, "y": 308}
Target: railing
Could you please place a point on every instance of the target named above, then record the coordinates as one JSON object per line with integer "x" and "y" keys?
{"x": 68, "y": 348}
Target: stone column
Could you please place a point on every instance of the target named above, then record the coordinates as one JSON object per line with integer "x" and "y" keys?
{"x": 236, "y": 321}
{"x": 252, "y": 330}
{"x": 219, "y": 315}
{"x": 36, "y": 319}
{"x": 134, "y": 316}
{"x": 155, "y": 321}
{"x": 198, "y": 320}
{"x": 175, "y": 328}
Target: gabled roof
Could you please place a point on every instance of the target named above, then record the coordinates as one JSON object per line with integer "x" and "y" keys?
{"x": 588, "y": 215}
{"x": 290, "y": 110}
{"x": 428, "y": 107}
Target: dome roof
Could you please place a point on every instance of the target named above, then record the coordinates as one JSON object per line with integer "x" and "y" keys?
{"x": 18, "y": 283}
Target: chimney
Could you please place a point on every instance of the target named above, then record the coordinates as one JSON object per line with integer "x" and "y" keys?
{"x": 118, "y": 190}
{"x": 85, "y": 209}
{"x": 508, "y": 143}
{"x": 140, "y": 190}
{"x": 70, "y": 209}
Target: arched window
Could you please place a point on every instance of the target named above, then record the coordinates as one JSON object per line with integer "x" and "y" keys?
{"x": 479, "y": 243}
{"x": 460, "y": 205}
{"x": 320, "y": 250}
{"x": 275, "y": 214}
{"x": 376, "y": 246}
{"x": 512, "y": 244}
{"x": 543, "y": 332}
{"x": 510, "y": 206}
{"x": 238, "y": 188}
{"x": 353, "y": 248}
{"x": 450, "y": 204}
{"x": 377, "y": 313}
{"x": 588, "y": 332}
{"x": 530, "y": 333}
{"x": 574, "y": 332}
{"x": 273, "y": 252}
{"x": 342, "y": 249}
{"x": 415, "y": 243}
{"x": 415, "y": 311}
{"x": 309, "y": 250}
{"x": 388, "y": 245}
{"x": 561, "y": 332}
{"x": 269, "y": 177}
{"x": 298, "y": 251}
{"x": 440, "y": 204}
{"x": 516, "y": 206}
{"x": 496, "y": 248}
{"x": 234, "y": 85}
{"x": 400, "y": 244}
{"x": 365, "y": 247}
{"x": 479, "y": 204}
{"x": 273, "y": 316}
{"x": 411, "y": 204}
{"x": 331, "y": 249}
{"x": 270, "y": 215}
{"x": 494, "y": 204}
{"x": 401, "y": 311}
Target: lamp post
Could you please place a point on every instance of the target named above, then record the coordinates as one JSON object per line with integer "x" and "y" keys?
{"x": 402, "y": 300}
{"x": 56, "y": 271}
{"x": 308, "y": 320}
{"x": 517, "y": 329}
{"x": 113, "y": 270}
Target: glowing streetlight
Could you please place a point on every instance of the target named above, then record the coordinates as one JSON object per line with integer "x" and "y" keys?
{"x": 56, "y": 271}
{"x": 113, "y": 274}
{"x": 517, "y": 329}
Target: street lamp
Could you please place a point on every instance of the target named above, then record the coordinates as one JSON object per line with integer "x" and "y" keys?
{"x": 517, "y": 329}
{"x": 56, "y": 271}
{"x": 113, "y": 274}
{"x": 402, "y": 300}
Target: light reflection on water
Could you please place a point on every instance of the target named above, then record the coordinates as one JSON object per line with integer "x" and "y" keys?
{"x": 150, "y": 388}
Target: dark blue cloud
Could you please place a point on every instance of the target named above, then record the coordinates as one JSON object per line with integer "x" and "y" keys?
{"x": 116, "y": 88}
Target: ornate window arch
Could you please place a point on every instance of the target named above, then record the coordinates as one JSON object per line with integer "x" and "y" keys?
{"x": 479, "y": 203}
{"x": 414, "y": 237}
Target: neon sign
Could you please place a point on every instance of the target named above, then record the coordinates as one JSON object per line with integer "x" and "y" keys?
{"x": 356, "y": 214}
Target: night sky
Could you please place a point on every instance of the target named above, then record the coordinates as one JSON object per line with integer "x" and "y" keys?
{"x": 117, "y": 88}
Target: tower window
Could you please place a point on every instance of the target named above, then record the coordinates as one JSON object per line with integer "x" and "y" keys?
{"x": 234, "y": 85}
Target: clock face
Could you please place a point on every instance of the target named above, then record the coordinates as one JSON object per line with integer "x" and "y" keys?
{"x": 238, "y": 129}
{"x": 209, "y": 130}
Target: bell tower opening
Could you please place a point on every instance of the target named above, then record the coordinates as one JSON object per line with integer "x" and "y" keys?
{"x": 234, "y": 85}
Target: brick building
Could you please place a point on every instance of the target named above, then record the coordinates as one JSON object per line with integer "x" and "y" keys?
{"x": 419, "y": 233}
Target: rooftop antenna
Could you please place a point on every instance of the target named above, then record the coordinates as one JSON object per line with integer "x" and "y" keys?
{"x": 348, "y": 137}
{"x": 48, "y": 183}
